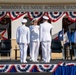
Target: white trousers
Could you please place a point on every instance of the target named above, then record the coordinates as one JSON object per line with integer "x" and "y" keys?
{"x": 34, "y": 50}
{"x": 23, "y": 52}
{"x": 46, "y": 51}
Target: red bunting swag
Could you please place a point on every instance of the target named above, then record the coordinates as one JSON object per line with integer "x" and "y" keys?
{"x": 15, "y": 15}
{"x": 71, "y": 16}
{"x": 4, "y": 34}
{"x": 2, "y": 14}
{"x": 54, "y": 16}
{"x": 32, "y": 15}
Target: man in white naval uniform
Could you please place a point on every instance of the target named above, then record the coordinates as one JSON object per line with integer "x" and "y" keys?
{"x": 45, "y": 39}
{"x": 23, "y": 39}
{"x": 34, "y": 40}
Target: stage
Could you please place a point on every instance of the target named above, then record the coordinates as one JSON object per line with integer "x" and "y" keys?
{"x": 15, "y": 67}
{"x": 52, "y": 61}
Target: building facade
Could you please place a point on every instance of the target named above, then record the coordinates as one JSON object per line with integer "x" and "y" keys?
{"x": 15, "y": 10}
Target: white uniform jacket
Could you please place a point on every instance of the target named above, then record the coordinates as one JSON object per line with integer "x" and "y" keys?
{"x": 45, "y": 31}
{"x": 23, "y": 34}
{"x": 34, "y": 33}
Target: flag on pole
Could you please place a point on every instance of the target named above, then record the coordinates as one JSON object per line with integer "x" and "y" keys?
{"x": 66, "y": 39}
{"x": 60, "y": 35}
{"x": 64, "y": 36}
{"x": 71, "y": 36}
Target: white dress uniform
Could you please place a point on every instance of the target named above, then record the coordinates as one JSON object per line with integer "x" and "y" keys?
{"x": 34, "y": 42}
{"x": 23, "y": 39}
{"x": 45, "y": 39}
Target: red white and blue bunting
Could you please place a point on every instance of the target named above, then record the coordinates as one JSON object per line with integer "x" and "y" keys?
{"x": 32, "y": 15}
{"x": 24, "y": 67}
{"x": 21, "y": 68}
{"x": 15, "y": 15}
{"x": 54, "y": 16}
{"x": 71, "y": 16}
{"x": 4, "y": 68}
{"x": 2, "y": 14}
{"x": 4, "y": 34}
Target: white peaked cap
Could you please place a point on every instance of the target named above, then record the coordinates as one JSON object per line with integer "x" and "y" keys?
{"x": 24, "y": 20}
{"x": 45, "y": 17}
{"x": 34, "y": 19}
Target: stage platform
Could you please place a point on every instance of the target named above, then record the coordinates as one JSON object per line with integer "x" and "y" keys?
{"x": 14, "y": 66}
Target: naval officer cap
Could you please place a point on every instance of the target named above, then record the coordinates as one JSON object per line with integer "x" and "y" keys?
{"x": 45, "y": 17}
{"x": 35, "y": 19}
{"x": 24, "y": 20}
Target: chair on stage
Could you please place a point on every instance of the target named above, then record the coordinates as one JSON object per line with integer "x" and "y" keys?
{"x": 5, "y": 48}
{"x": 56, "y": 47}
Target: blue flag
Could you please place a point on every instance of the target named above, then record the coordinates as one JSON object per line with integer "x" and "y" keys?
{"x": 70, "y": 36}
{"x": 60, "y": 35}
{"x": 75, "y": 37}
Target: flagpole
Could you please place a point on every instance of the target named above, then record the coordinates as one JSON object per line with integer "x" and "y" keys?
{"x": 63, "y": 36}
{"x": 75, "y": 43}
{"x": 63, "y": 43}
{"x": 69, "y": 39}
{"x": 70, "y": 45}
